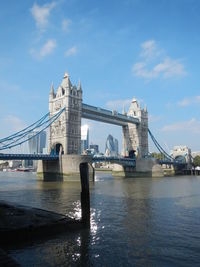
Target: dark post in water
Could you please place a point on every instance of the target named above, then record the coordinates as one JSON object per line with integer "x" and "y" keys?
{"x": 85, "y": 194}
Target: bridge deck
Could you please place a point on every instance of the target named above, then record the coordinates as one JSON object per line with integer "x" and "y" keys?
{"x": 28, "y": 157}
{"x": 119, "y": 160}
{"x": 170, "y": 162}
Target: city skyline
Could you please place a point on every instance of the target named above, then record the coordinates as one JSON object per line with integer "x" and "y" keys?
{"x": 119, "y": 50}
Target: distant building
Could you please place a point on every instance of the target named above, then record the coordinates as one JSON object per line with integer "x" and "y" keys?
{"x": 116, "y": 146}
{"x": 111, "y": 148}
{"x": 15, "y": 163}
{"x": 89, "y": 152}
{"x": 84, "y": 138}
{"x": 45, "y": 150}
{"x": 183, "y": 154}
{"x": 95, "y": 148}
{"x": 37, "y": 143}
{"x": 195, "y": 153}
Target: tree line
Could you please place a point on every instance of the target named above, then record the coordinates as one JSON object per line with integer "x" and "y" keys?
{"x": 160, "y": 156}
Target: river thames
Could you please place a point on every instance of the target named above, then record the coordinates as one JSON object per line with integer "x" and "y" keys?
{"x": 134, "y": 221}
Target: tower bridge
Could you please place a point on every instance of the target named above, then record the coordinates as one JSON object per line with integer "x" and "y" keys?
{"x": 66, "y": 110}
{"x": 65, "y": 133}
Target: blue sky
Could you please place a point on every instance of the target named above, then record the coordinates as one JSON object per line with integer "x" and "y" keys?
{"x": 119, "y": 50}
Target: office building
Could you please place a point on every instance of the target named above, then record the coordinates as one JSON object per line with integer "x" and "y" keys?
{"x": 95, "y": 148}
{"x": 37, "y": 143}
{"x": 111, "y": 148}
{"x": 84, "y": 138}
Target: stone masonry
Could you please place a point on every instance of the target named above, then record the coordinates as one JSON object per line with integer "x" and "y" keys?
{"x": 135, "y": 136}
{"x": 65, "y": 132}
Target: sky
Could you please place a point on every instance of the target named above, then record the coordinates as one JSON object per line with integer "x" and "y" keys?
{"x": 118, "y": 49}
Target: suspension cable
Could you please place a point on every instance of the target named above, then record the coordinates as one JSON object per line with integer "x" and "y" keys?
{"x": 25, "y": 129}
{"x": 161, "y": 150}
{"x": 24, "y": 133}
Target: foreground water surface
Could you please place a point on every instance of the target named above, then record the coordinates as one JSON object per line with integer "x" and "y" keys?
{"x": 134, "y": 222}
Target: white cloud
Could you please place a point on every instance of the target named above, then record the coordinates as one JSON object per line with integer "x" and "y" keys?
{"x": 149, "y": 50}
{"x": 192, "y": 126}
{"x": 45, "y": 50}
{"x": 71, "y": 51}
{"x": 65, "y": 24}
{"x": 169, "y": 68}
{"x": 165, "y": 66}
{"x": 41, "y": 14}
{"x": 189, "y": 101}
{"x": 139, "y": 69}
{"x": 118, "y": 104}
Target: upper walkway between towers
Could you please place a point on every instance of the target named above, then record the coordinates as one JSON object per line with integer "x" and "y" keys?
{"x": 104, "y": 115}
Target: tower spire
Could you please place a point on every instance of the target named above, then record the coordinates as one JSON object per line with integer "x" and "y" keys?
{"x": 52, "y": 89}
{"x": 79, "y": 85}
{"x": 123, "y": 110}
{"x": 66, "y": 83}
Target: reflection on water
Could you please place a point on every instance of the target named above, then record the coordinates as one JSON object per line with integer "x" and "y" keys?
{"x": 134, "y": 222}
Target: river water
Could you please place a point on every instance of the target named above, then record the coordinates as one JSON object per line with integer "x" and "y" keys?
{"x": 134, "y": 222}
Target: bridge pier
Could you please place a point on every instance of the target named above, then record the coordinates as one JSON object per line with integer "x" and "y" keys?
{"x": 66, "y": 168}
{"x": 145, "y": 167}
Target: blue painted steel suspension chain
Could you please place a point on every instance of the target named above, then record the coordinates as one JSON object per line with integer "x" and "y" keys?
{"x": 23, "y": 133}
{"x": 161, "y": 150}
{"x": 38, "y": 122}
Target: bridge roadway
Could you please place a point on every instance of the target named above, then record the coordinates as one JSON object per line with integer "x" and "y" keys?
{"x": 118, "y": 160}
{"x": 170, "y": 162}
{"x": 104, "y": 115}
{"x": 28, "y": 157}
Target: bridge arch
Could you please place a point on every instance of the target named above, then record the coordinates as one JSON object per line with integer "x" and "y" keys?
{"x": 57, "y": 149}
{"x": 181, "y": 159}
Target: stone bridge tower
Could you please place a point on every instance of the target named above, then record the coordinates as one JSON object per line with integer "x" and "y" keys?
{"x": 135, "y": 137}
{"x": 65, "y": 132}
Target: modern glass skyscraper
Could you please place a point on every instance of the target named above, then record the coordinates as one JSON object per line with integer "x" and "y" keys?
{"x": 111, "y": 148}
{"x": 84, "y": 137}
{"x": 37, "y": 143}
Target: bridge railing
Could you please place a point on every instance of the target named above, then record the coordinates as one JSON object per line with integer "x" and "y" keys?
{"x": 28, "y": 157}
{"x": 119, "y": 160}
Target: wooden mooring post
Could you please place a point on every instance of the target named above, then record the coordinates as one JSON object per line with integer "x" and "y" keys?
{"x": 85, "y": 194}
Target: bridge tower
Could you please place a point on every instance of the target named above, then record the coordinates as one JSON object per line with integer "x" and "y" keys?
{"x": 65, "y": 132}
{"x": 183, "y": 154}
{"x": 135, "y": 136}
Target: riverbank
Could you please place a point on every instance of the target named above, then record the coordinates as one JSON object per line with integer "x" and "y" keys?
{"x": 20, "y": 223}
